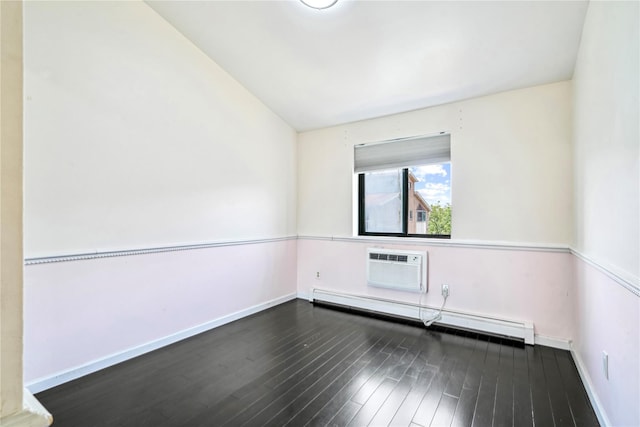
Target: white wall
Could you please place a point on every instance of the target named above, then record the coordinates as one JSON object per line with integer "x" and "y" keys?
{"x": 511, "y": 166}
{"x": 511, "y": 183}
{"x": 607, "y": 181}
{"x": 135, "y": 139}
{"x": 607, "y": 160}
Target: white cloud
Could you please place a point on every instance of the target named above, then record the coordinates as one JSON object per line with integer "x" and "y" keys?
{"x": 422, "y": 171}
{"x": 436, "y": 193}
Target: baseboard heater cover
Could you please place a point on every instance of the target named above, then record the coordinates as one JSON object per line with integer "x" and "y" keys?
{"x": 457, "y": 320}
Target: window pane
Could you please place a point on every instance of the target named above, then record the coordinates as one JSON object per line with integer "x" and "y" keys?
{"x": 431, "y": 198}
{"x": 383, "y": 202}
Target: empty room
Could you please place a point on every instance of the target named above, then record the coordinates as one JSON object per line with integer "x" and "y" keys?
{"x": 319, "y": 212}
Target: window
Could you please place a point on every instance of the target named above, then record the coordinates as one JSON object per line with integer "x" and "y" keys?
{"x": 396, "y": 178}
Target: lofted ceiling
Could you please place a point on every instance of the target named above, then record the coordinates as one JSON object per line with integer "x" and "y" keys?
{"x": 366, "y": 59}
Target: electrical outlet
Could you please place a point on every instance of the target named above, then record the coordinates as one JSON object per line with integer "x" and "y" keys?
{"x": 605, "y": 364}
{"x": 317, "y": 275}
{"x": 445, "y": 290}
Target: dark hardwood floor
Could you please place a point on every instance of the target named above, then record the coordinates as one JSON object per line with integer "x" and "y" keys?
{"x": 298, "y": 364}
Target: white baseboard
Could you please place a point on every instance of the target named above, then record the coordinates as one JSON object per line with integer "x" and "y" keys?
{"x": 603, "y": 419}
{"x": 41, "y": 384}
{"x": 553, "y": 342}
{"x": 33, "y": 414}
{"x": 305, "y": 295}
{"x": 456, "y": 319}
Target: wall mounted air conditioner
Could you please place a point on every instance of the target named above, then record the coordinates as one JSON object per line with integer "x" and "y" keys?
{"x": 396, "y": 269}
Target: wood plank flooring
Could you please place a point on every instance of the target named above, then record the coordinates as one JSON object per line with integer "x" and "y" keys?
{"x": 298, "y": 364}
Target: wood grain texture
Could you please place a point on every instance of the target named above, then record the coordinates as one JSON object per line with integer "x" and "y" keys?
{"x": 298, "y": 364}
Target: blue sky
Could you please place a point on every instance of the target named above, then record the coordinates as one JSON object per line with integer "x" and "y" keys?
{"x": 434, "y": 183}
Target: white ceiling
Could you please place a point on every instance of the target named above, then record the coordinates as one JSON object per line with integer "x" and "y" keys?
{"x": 365, "y": 59}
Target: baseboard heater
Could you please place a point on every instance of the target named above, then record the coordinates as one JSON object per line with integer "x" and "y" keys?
{"x": 454, "y": 319}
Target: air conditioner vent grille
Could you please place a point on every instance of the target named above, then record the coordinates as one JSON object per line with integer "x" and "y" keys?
{"x": 388, "y": 257}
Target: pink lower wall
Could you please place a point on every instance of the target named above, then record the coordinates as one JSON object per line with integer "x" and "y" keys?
{"x": 77, "y": 312}
{"x": 524, "y": 285}
{"x": 607, "y": 318}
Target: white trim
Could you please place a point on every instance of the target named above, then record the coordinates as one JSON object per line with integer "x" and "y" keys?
{"x": 33, "y": 414}
{"x": 41, "y": 384}
{"x": 477, "y": 244}
{"x": 492, "y": 325}
{"x": 603, "y": 419}
{"x": 624, "y": 279}
{"x": 454, "y": 243}
{"x": 558, "y": 343}
{"x": 305, "y": 296}
{"x": 144, "y": 251}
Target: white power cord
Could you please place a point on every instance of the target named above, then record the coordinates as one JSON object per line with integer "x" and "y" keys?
{"x": 437, "y": 316}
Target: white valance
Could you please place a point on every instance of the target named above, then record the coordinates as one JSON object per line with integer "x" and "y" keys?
{"x": 404, "y": 152}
